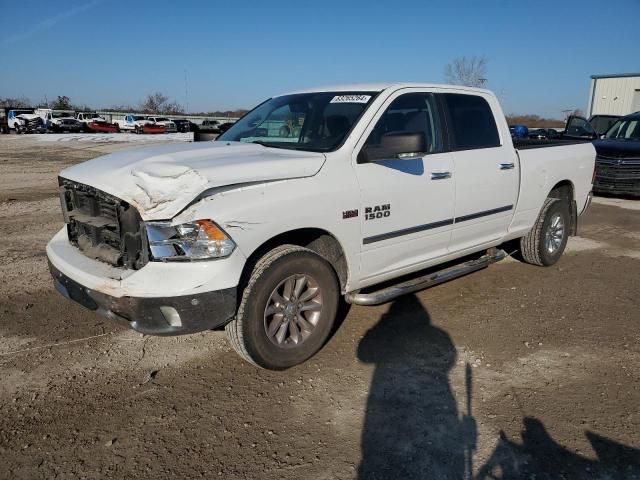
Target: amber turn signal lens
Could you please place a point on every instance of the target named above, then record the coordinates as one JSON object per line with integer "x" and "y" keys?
{"x": 211, "y": 230}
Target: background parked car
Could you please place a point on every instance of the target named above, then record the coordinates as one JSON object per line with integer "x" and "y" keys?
{"x": 30, "y": 123}
{"x": 87, "y": 117}
{"x": 70, "y": 125}
{"x": 184, "y": 125}
{"x": 53, "y": 119}
{"x": 210, "y": 126}
{"x": 4, "y": 124}
{"x": 16, "y": 118}
{"x": 618, "y": 158}
{"x": 132, "y": 122}
{"x": 223, "y": 127}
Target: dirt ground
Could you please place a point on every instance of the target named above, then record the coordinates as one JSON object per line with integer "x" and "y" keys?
{"x": 515, "y": 371}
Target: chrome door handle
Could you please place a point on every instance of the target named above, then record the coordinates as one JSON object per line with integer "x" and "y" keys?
{"x": 507, "y": 166}
{"x": 440, "y": 175}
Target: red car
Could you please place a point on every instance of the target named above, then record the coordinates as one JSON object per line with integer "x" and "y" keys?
{"x": 103, "y": 127}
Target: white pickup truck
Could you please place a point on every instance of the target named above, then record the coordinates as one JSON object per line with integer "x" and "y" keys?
{"x": 165, "y": 122}
{"x": 264, "y": 230}
{"x": 89, "y": 117}
{"x": 132, "y": 122}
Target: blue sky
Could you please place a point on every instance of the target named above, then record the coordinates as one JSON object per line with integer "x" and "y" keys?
{"x": 235, "y": 54}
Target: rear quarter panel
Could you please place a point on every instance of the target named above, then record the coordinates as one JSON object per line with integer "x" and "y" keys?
{"x": 541, "y": 169}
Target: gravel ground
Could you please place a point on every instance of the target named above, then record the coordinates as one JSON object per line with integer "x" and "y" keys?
{"x": 518, "y": 371}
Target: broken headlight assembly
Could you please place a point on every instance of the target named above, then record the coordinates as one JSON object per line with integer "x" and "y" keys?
{"x": 198, "y": 240}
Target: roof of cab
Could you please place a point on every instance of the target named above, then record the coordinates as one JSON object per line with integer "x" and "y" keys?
{"x": 379, "y": 87}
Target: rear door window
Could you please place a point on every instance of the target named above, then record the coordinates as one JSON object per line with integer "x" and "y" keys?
{"x": 471, "y": 122}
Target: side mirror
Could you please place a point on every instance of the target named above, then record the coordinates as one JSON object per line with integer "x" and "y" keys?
{"x": 395, "y": 145}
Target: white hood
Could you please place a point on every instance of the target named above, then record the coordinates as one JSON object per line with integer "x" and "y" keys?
{"x": 162, "y": 180}
{"x": 27, "y": 116}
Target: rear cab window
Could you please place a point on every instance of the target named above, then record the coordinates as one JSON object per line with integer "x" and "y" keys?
{"x": 470, "y": 122}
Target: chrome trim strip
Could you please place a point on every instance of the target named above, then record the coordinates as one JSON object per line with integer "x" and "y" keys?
{"x": 493, "y": 211}
{"x": 406, "y": 231}
{"x": 429, "y": 226}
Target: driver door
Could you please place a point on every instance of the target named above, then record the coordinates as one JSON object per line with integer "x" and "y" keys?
{"x": 406, "y": 203}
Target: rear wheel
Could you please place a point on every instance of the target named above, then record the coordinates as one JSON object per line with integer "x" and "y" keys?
{"x": 546, "y": 241}
{"x": 287, "y": 310}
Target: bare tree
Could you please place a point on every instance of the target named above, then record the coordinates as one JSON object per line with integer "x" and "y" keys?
{"x": 159, "y": 103}
{"x": 172, "y": 108}
{"x": 153, "y": 103}
{"x": 8, "y": 102}
{"x": 62, "y": 103}
{"x": 470, "y": 72}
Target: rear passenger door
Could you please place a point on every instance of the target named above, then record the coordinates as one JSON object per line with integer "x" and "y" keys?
{"x": 487, "y": 172}
{"x": 406, "y": 204}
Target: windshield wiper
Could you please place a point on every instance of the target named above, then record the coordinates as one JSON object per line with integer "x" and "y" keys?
{"x": 268, "y": 144}
{"x": 289, "y": 146}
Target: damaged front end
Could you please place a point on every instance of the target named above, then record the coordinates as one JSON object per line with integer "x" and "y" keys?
{"x": 102, "y": 226}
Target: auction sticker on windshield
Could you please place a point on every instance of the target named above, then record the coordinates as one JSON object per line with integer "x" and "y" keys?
{"x": 350, "y": 99}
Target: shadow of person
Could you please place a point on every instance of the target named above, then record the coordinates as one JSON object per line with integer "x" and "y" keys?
{"x": 540, "y": 456}
{"x": 411, "y": 427}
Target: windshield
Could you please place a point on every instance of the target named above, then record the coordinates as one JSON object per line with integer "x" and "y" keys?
{"x": 137, "y": 117}
{"x": 61, "y": 114}
{"x": 625, "y": 129}
{"x": 162, "y": 119}
{"x": 602, "y": 123}
{"x": 304, "y": 121}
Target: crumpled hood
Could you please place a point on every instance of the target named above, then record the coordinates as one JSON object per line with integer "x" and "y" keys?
{"x": 162, "y": 180}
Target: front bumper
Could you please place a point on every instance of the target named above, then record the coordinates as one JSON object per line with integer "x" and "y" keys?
{"x": 154, "y": 315}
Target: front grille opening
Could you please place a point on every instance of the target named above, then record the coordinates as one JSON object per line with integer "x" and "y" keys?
{"x": 102, "y": 226}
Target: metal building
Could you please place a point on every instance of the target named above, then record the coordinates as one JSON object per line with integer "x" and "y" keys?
{"x": 617, "y": 94}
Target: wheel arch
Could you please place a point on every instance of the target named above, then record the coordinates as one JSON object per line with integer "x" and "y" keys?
{"x": 318, "y": 240}
{"x": 565, "y": 191}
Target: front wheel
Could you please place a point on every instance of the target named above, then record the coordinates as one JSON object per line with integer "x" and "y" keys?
{"x": 546, "y": 241}
{"x": 287, "y": 309}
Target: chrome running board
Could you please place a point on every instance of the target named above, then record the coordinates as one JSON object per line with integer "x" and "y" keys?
{"x": 391, "y": 293}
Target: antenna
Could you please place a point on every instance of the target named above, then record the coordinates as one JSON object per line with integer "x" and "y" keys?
{"x": 186, "y": 92}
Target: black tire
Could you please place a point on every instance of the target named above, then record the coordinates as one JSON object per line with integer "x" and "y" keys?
{"x": 534, "y": 247}
{"x": 247, "y": 331}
